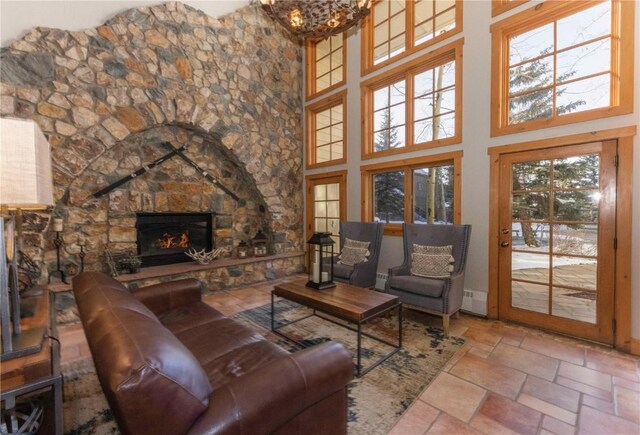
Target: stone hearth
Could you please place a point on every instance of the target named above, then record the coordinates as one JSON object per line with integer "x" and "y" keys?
{"x": 107, "y": 97}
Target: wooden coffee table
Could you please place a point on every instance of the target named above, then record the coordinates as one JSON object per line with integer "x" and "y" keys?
{"x": 346, "y": 302}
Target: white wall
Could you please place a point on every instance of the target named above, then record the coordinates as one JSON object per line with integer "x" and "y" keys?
{"x": 476, "y": 140}
{"x": 17, "y": 17}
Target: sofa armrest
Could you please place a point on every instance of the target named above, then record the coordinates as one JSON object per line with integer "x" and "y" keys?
{"x": 166, "y": 296}
{"x": 265, "y": 399}
{"x": 453, "y": 293}
{"x": 364, "y": 274}
{"x": 399, "y": 270}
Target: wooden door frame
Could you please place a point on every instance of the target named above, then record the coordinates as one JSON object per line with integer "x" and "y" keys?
{"x": 602, "y": 329}
{"x": 622, "y": 288}
{"x": 341, "y": 178}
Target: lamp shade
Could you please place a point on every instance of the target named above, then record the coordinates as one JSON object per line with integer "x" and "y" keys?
{"x": 25, "y": 165}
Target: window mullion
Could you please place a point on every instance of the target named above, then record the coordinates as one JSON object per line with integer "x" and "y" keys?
{"x": 555, "y": 69}
{"x": 409, "y": 110}
{"x": 409, "y": 30}
{"x": 408, "y": 194}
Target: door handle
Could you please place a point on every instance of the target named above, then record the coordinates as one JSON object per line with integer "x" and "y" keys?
{"x": 505, "y": 244}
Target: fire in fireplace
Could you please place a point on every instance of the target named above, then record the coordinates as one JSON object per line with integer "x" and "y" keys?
{"x": 163, "y": 238}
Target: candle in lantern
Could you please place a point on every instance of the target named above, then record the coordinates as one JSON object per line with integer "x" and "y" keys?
{"x": 316, "y": 268}
{"x": 325, "y": 276}
{"x": 57, "y": 225}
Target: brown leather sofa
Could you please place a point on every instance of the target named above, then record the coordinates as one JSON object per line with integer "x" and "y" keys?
{"x": 170, "y": 364}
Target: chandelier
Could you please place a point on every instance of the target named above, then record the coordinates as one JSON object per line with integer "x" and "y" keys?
{"x": 317, "y": 18}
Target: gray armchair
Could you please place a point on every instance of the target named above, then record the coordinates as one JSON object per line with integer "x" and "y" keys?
{"x": 362, "y": 274}
{"x": 439, "y": 296}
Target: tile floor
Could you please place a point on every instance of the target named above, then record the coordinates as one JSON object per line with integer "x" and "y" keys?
{"x": 506, "y": 379}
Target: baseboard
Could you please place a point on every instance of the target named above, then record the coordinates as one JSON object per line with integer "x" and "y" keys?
{"x": 635, "y": 346}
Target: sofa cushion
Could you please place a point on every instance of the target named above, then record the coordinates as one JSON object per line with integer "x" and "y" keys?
{"x": 240, "y": 361}
{"x": 189, "y": 316}
{"x": 431, "y": 287}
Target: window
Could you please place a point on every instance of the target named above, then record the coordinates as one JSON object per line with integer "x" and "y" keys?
{"x": 501, "y": 6}
{"x": 326, "y": 130}
{"x": 560, "y": 63}
{"x": 396, "y": 28}
{"x": 420, "y": 190}
{"x": 326, "y": 64}
{"x": 415, "y": 106}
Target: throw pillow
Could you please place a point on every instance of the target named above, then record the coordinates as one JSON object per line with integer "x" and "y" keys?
{"x": 432, "y": 261}
{"x": 351, "y": 256}
{"x": 356, "y": 243}
{"x": 432, "y": 250}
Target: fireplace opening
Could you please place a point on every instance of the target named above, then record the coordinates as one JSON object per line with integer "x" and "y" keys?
{"x": 163, "y": 238}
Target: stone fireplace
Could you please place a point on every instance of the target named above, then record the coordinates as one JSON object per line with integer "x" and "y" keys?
{"x": 163, "y": 238}
{"x": 108, "y": 98}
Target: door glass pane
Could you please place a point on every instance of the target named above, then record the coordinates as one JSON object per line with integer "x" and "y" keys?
{"x": 321, "y": 225}
{"x": 576, "y": 172}
{"x": 574, "y": 304}
{"x": 333, "y": 191}
{"x": 530, "y": 267}
{"x": 579, "y": 240}
{"x": 320, "y": 192}
{"x": 532, "y": 297}
{"x": 333, "y": 209}
{"x": 577, "y": 205}
{"x": 575, "y": 272}
{"x": 321, "y": 209}
{"x": 388, "y": 197}
{"x": 333, "y": 226}
{"x": 527, "y": 206}
{"x": 531, "y": 175}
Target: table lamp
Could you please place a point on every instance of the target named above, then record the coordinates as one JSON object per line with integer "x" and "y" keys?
{"x": 25, "y": 184}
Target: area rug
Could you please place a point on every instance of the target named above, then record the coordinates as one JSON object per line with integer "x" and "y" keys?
{"x": 376, "y": 400}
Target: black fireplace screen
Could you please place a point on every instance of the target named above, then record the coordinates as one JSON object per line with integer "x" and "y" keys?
{"x": 163, "y": 238}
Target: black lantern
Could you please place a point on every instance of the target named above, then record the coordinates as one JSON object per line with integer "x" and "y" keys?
{"x": 260, "y": 244}
{"x": 320, "y": 261}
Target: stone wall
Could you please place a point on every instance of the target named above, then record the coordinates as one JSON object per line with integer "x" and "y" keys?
{"x": 105, "y": 97}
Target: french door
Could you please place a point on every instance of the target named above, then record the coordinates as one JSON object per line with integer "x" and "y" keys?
{"x": 326, "y": 204}
{"x": 557, "y": 230}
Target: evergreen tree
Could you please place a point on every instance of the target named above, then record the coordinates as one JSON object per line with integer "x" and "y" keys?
{"x": 535, "y": 105}
{"x": 389, "y": 196}
{"x": 538, "y": 104}
{"x": 389, "y": 186}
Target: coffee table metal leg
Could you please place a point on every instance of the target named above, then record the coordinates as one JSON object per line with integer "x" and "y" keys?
{"x": 359, "y": 366}
{"x": 400, "y": 325}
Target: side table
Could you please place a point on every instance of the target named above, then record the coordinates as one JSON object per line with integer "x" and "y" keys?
{"x": 39, "y": 371}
